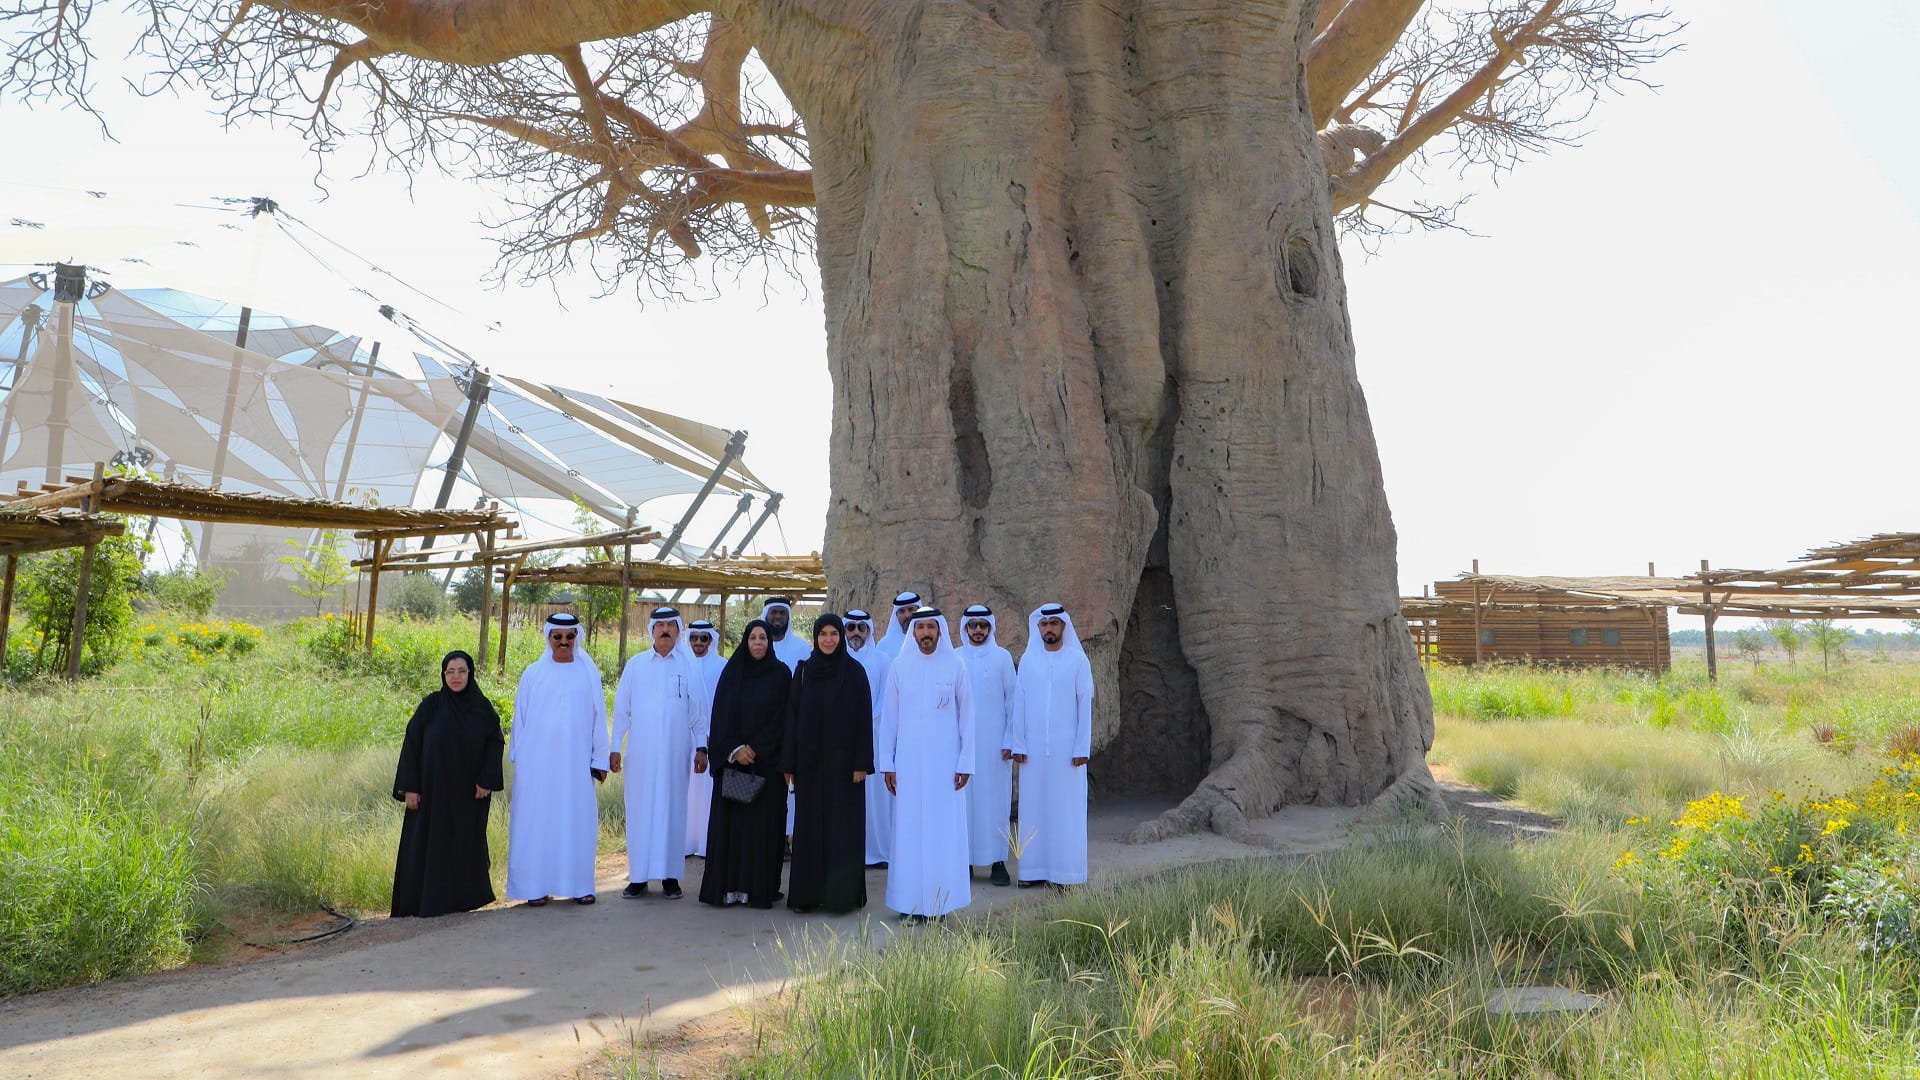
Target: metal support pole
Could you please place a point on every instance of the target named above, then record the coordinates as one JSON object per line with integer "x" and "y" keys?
{"x": 735, "y": 446}
{"x": 626, "y": 582}
{"x": 772, "y": 507}
{"x": 476, "y": 400}
{"x": 740, "y": 510}
{"x": 359, "y": 413}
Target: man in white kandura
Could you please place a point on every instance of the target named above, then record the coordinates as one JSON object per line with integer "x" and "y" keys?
{"x": 1051, "y": 736}
{"x": 707, "y": 662}
{"x": 789, "y": 647}
{"x": 656, "y": 722}
{"x": 559, "y": 751}
{"x": 877, "y": 660}
{"x": 925, "y": 752}
{"x": 897, "y": 639}
{"x": 990, "y": 795}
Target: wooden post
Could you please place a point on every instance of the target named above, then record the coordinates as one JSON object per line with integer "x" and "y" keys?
{"x": 506, "y": 605}
{"x": 79, "y": 610}
{"x": 1653, "y": 641}
{"x": 6, "y": 605}
{"x": 380, "y": 548}
{"x": 1706, "y": 597}
{"x": 1476, "y": 612}
{"x": 720, "y": 638}
{"x": 1650, "y": 572}
{"x": 486, "y": 595}
{"x": 626, "y": 583}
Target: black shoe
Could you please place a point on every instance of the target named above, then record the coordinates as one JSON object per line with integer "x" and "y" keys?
{"x": 881, "y": 865}
{"x": 998, "y": 876}
{"x": 1031, "y": 884}
{"x": 799, "y": 909}
{"x": 583, "y": 901}
{"x": 670, "y": 888}
{"x": 634, "y": 890}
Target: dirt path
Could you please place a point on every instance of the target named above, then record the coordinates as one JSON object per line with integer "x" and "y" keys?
{"x": 504, "y": 992}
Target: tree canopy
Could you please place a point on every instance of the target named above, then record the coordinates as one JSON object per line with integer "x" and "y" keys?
{"x": 636, "y": 137}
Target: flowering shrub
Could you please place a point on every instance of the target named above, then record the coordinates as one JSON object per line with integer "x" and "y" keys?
{"x": 201, "y": 641}
{"x": 341, "y": 645}
{"x": 1848, "y": 855}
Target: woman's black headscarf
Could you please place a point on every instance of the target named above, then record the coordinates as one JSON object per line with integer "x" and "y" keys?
{"x": 826, "y": 665}
{"x": 469, "y": 699}
{"x": 742, "y": 664}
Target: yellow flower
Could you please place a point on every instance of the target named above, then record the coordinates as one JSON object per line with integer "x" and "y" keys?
{"x": 1834, "y": 825}
{"x": 1636, "y": 821}
{"x": 1806, "y": 854}
{"x": 1626, "y": 859}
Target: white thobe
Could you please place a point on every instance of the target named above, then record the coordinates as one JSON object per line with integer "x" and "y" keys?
{"x": 926, "y": 736}
{"x": 700, "y": 785}
{"x": 1052, "y": 723}
{"x": 553, "y": 829}
{"x": 990, "y": 793}
{"x": 879, "y": 799}
{"x": 656, "y": 717}
{"x": 792, "y": 649}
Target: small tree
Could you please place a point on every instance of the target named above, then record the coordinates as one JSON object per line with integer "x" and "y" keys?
{"x": 319, "y": 569}
{"x": 1751, "y": 645}
{"x": 1789, "y": 634}
{"x": 418, "y": 595}
{"x": 470, "y": 591}
{"x": 1830, "y": 639}
{"x": 49, "y": 583}
{"x": 188, "y": 590}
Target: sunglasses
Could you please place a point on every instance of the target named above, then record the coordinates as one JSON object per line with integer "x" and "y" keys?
{"x": 562, "y": 637}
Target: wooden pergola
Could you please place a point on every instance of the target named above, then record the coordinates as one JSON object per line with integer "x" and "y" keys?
{"x": 134, "y": 496}
{"x": 801, "y": 577}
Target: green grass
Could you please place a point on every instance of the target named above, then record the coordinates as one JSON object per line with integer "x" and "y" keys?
{"x": 1375, "y": 961}
{"x": 1372, "y": 962}
{"x": 145, "y": 811}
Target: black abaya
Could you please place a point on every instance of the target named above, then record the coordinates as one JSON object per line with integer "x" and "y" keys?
{"x": 829, "y": 738}
{"x": 747, "y": 841}
{"x": 453, "y": 744}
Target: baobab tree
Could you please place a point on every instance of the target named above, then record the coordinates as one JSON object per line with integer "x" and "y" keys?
{"x": 1086, "y": 324}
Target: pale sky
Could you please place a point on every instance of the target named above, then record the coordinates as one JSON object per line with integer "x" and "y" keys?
{"x": 1678, "y": 340}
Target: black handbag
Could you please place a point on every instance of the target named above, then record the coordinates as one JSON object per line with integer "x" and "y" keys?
{"x": 738, "y": 785}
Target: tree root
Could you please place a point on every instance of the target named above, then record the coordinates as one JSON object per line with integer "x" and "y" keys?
{"x": 1217, "y": 804}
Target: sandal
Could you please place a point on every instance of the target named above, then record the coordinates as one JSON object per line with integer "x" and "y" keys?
{"x": 583, "y": 901}
{"x": 542, "y": 902}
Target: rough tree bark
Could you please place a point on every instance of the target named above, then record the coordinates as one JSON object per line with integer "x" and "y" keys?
{"x": 1089, "y": 343}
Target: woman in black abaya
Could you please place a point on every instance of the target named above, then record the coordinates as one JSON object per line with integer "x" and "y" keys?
{"x": 449, "y": 770}
{"x": 746, "y": 841}
{"x": 828, "y": 757}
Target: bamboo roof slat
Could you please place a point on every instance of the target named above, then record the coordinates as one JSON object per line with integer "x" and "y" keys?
{"x": 189, "y": 502}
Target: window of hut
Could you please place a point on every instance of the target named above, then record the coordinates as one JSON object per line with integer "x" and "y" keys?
{"x": 1486, "y": 637}
{"x": 1609, "y": 637}
{"x": 1576, "y": 637}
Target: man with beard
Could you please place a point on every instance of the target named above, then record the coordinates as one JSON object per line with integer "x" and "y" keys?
{"x": 877, "y": 661}
{"x": 707, "y": 662}
{"x": 1051, "y": 736}
{"x": 559, "y": 751}
{"x": 790, "y": 648}
{"x": 925, "y": 753}
{"x": 660, "y": 702}
{"x": 896, "y": 639}
{"x": 990, "y": 794}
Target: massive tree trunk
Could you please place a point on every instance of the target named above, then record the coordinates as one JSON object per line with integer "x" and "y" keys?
{"x": 1089, "y": 343}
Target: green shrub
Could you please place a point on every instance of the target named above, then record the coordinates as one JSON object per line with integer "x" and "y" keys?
{"x": 415, "y": 596}
{"x": 186, "y": 591}
{"x": 48, "y": 585}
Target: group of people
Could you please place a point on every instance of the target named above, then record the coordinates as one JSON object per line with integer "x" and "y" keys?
{"x": 860, "y": 750}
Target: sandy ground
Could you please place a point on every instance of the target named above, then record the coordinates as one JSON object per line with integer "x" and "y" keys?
{"x": 511, "y": 991}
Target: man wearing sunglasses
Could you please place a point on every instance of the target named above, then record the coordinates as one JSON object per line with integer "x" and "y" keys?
{"x": 559, "y": 750}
